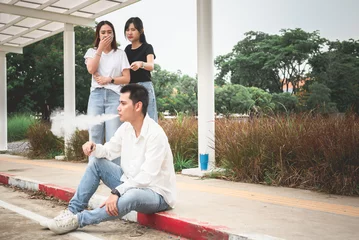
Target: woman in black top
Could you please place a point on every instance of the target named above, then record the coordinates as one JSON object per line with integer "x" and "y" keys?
{"x": 141, "y": 57}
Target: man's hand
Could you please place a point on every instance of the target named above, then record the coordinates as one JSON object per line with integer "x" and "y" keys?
{"x": 111, "y": 205}
{"x": 88, "y": 148}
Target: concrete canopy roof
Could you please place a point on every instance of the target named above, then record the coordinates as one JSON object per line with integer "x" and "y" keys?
{"x": 23, "y": 22}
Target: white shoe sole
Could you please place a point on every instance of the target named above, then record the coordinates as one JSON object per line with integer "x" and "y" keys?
{"x": 60, "y": 230}
{"x": 44, "y": 224}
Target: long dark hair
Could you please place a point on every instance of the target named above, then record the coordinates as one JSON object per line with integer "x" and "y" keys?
{"x": 137, "y": 22}
{"x": 97, "y": 38}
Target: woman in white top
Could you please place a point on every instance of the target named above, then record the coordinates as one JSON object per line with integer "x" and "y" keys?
{"x": 110, "y": 69}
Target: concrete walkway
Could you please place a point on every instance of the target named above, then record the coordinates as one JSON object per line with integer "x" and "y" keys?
{"x": 214, "y": 209}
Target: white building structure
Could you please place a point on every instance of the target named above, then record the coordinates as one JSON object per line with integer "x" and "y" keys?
{"x": 23, "y": 22}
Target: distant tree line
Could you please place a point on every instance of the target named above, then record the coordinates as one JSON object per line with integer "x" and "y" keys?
{"x": 330, "y": 69}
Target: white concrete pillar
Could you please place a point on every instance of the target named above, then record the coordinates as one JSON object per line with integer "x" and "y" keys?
{"x": 3, "y": 102}
{"x": 205, "y": 65}
{"x": 69, "y": 78}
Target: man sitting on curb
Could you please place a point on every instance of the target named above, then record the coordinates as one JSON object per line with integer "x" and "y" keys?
{"x": 145, "y": 182}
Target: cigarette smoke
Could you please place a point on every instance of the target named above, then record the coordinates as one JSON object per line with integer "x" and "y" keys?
{"x": 60, "y": 125}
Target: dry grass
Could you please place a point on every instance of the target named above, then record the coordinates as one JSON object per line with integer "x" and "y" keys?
{"x": 74, "y": 146}
{"x": 303, "y": 151}
{"x": 296, "y": 151}
{"x": 43, "y": 144}
{"x": 182, "y": 136}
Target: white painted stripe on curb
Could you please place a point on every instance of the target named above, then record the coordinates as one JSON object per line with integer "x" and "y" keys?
{"x": 131, "y": 216}
{"x": 24, "y": 183}
{"x": 95, "y": 201}
{"x": 38, "y": 218}
{"x": 12, "y": 156}
{"x": 252, "y": 236}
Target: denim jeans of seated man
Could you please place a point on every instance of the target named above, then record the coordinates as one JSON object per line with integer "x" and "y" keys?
{"x": 152, "y": 105}
{"x": 142, "y": 200}
{"x": 103, "y": 101}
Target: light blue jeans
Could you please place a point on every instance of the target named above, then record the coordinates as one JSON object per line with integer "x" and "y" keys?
{"x": 152, "y": 105}
{"x": 103, "y": 101}
{"x": 142, "y": 200}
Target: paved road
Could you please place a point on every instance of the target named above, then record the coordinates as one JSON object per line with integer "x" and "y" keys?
{"x": 19, "y": 212}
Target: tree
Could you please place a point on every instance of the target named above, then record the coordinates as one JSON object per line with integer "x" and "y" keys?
{"x": 289, "y": 54}
{"x": 338, "y": 69}
{"x": 269, "y": 61}
{"x": 284, "y": 102}
{"x": 262, "y": 100}
{"x": 164, "y": 83}
{"x": 35, "y": 78}
{"x": 233, "y": 98}
{"x": 187, "y": 95}
{"x": 240, "y": 67}
{"x": 18, "y": 92}
{"x": 319, "y": 98}
{"x": 84, "y": 40}
{"x": 174, "y": 92}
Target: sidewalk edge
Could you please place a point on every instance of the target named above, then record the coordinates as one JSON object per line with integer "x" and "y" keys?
{"x": 164, "y": 221}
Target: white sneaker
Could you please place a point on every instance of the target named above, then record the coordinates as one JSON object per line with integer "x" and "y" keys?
{"x": 63, "y": 225}
{"x": 63, "y": 214}
{"x": 44, "y": 224}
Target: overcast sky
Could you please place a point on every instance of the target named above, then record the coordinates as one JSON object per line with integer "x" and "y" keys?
{"x": 170, "y": 25}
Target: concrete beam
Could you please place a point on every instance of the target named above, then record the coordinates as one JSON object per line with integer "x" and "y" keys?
{"x": 10, "y": 49}
{"x": 46, "y": 15}
{"x": 115, "y": 8}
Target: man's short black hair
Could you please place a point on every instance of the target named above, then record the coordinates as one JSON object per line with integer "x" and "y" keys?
{"x": 138, "y": 93}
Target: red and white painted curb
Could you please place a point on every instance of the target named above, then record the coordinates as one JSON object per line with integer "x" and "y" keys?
{"x": 164, "y": 221}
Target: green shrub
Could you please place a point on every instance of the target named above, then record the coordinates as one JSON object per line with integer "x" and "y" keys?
{"x": 182, "y": 163}
{"x": 319, "y": 99}
{"x": 296, "y": 151}
{"x": 74, "y": 146}
{"x": 43, "y": 143}
{"x": 284, "y": 102}
{"x": 17, "y": 126}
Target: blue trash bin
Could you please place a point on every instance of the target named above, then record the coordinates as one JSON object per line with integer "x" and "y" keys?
{"x": 203, "y": 160}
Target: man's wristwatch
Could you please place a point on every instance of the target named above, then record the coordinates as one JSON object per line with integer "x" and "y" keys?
{"x": 112, "y": 80}
{"x": 116, "y": 192}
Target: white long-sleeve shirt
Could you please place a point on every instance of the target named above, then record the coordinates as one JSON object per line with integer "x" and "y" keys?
{"x": 146, "y": 160}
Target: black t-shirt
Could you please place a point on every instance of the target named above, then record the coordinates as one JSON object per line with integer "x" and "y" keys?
{"x": 139, "y": 54}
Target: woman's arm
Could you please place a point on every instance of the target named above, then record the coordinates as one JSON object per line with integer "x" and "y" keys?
{"x": 92, "y": 63}
{"x": 124, "y": 79}
{"x": 149, "y": 65}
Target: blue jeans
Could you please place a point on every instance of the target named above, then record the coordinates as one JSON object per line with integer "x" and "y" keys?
{"x": 142, "y": 200}
{"x": 103, "y": 101}
{"x": 152, "y": 105}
